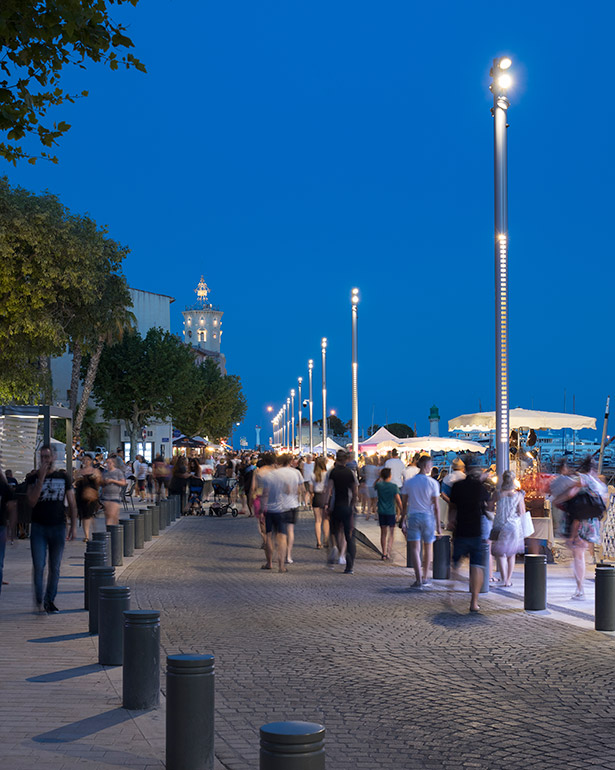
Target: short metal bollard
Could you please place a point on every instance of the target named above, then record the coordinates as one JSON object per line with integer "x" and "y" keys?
{"x": 141, "y": 659}
{"x": 105, "y": 538}
{"x": 155, "y": 520}
{"x": 99, "y": 576}
{"x": 129, "y": 537}
{"x": 177, "y": 506}
{"x": 162, "y": 509}
{"x": 535, "y": 579}
{"x": 91, "y": 559}
{"x": 442, "y": 557}
{"x": 116, "y": 532}
{"x": 605, "y": 598}
{"x": 292, "y": 746}
{"x": 486, "y": 559}
{"x": 147, "y": 524}
{"x": 139, "y": 532}
{"x": 112, "y": 603}
{"x": 190, "y": 712}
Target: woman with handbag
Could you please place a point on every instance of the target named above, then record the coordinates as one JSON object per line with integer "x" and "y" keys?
{"x": 584, "y": 504}
{"x": 506, "y": 533}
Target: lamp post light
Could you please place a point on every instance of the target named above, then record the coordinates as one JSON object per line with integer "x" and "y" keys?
{"x": 270, "y": 410}
{"x": 300, "y": 429}
{"x": 284, "y": 429}
{"x": 287, "y": 423}
{"x": 323, "y": 346}
{"x": 354, "y": 301}
{"x": 292, "y": 418}
{"x": 501, "y": 82}
{"x": 310, "y": 370}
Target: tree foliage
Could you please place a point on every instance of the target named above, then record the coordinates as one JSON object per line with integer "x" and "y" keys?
{"x": 56, "y": 270}
{"x": 38, "y": 39}
{"x": 400, "y": 429}
{"x": 214, "y": 402}
{"x": 334, "y": 425}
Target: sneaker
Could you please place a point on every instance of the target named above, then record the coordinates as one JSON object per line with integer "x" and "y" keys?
{"x": 333, "y": 555}
{"x": 50, "y": 607}
{"x": 39, "y": 609}
{"x": 289, "y": 561}
{"x": 342, "y": 560}
{"x": 426, "y": 584}
{"x": 416, "y": 584}
{"x": 348, "y": 571}
{"x": 578, "y": 596}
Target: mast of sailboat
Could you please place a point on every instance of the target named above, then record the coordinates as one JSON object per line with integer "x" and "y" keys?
{"x": 604, "y": 427}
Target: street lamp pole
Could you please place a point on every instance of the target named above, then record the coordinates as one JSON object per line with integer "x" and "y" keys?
{"x": 292, "y": 417}
{"x": 300, "y": 429}
{"x": 287, "y": 423}
{"x": 323, "y": 346}
{"x": 501, "y": 82}
{"x": 354, "y": 299}
{"x": 310, "y": 369}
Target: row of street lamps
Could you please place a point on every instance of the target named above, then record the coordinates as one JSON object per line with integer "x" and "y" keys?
{"x": 284, "y": 434}
{"x": 284, "y": 422}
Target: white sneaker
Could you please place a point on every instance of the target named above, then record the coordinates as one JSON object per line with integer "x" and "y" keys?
{"x": 342, "y": 560}
{"x": 333, "y": 555}
{"x": 289, "y": 561}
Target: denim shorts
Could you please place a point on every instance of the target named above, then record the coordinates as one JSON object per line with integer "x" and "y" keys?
{"x": 421, "y": 526}
{"x": 275, "y": 522}
{"x": 469, "y": 546}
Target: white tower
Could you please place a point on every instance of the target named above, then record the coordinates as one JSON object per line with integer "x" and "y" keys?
{"x": 203, "y": 322}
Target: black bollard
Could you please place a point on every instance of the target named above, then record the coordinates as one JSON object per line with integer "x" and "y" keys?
{"x": 99, "y": 576}
{"x": 91, "y": 559}
{"x": 442, "y": 557}
{"x": 147, "y": 524}
{"x": 141, "y": 676}
{"x": 486, "y": 559}
{"x": 177, "y": 506}
{"x": 104, "y": 537}
{"x": 155, "y": 520}
{"x": 138, "y": 520}
{"x": 190, "y": 712}
{"x": 292, "y": 746}
{"x": 112, "y": 602}
{"x": 116, "y": 533}
{"x": 535, "y": 589}
{"x": 605, "y": 597}
{"x": 129, "y": 537}
{"x": 162, "y": 508}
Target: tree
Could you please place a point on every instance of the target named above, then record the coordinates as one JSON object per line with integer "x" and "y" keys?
{"x": 37, "y": 40}
{"x": 214, "y": 402}
{"x": 334, "y": 425}
{"x": 400, "y": 429}
{"x": 93, "y": 432}
{"x": 140, "y": 379}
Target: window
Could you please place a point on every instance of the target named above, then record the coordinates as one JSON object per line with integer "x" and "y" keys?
{"x": 202, "y": 321}
{"x": 215, "y": 321}
{"x": 202, "y": 335}
{"x": 189, "y": 320}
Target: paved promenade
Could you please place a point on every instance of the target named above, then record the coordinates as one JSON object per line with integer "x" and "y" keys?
{"x": 401, "y": 679}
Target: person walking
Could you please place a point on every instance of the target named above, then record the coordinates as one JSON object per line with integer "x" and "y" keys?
{"x": 397, "y": 467}
{"x": 87, "y": 485}
{"x": 389, "y": 503}
{"x": 8, "y": 518}
{"x": 113, "y": 482}
{"x": 293, "y": 483}
{"x": 319, "y": 483}
{"x": 468, "y": 500}
{"x": 506, "y": 535}
{"x": 372, "y": 472}
{"x": 273, "y": 500}
{"x": 342, "y": 495}
{"x": 47, "y": 489}
{"x": 421, "y": 520}
{"x": 140, "y": 470}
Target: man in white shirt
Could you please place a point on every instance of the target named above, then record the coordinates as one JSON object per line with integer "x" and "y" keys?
{"x": 421, "y": 518}
{"x": 308, "y": 478}
{"x": 397, "y": 469}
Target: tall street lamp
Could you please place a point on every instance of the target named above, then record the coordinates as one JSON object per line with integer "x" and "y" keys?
{"x": 323, "y": 346}
{"x": 354, "y": 301}
{"x": 284, "y": 429}
{"x": 501, "y": 82}
{"x": 310, "y": 369}
{"x": 300, "y": 430}
{"x": 287, "y": 423}
{"x": 292, "y": 417}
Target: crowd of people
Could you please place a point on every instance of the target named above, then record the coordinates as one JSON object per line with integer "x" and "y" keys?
{"x": 418, "y": 497}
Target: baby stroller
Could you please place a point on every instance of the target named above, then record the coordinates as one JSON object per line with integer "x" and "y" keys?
{"x": 223, "y": 489}
{"x": 195, "y": 494}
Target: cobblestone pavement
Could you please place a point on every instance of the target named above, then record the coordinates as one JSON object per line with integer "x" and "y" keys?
{"x": 400, "y": 679}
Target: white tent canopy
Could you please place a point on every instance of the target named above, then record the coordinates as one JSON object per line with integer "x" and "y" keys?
{"x": 441, "y": 444}
{"x": 332, "y": 446}
{"x": 523, "y": 418}
{"x": 382, "y": 434}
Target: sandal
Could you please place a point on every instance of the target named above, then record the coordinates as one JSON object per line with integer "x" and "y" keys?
{"x": 265, "y": 566}
{"x": 281, "y": 569}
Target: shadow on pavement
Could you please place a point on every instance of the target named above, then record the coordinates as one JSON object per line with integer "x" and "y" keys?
{"x": 450, "y": 618}
{"x": 62, "y": 638}
{"x": 84, "y": 727}
{"x": 68, "y": 673}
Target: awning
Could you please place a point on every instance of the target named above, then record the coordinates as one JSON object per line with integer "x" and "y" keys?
{"x": 523, "y": 418}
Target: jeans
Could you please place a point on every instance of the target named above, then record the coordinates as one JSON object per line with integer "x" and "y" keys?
{"x": 44, "y": 537}
{"x": 342, "y": 516}
{"x": 2, "y": 550}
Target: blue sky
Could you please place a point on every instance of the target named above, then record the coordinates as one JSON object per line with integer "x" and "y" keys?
{"x": 289, "y": 151}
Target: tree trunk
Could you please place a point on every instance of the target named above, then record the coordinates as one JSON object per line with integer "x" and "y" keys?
{"x": 88, "y": 384}
{"x": 46, "y": 384}
{"x": 74, "y": 378}
{"x": 135, "y": 435}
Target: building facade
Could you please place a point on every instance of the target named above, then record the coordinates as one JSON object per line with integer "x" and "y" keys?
{"x": 203, "y": 327}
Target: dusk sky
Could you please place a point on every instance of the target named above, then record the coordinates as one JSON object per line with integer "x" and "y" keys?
{"x": 289, "y": 151}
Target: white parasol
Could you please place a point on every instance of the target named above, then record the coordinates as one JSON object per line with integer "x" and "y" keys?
{"x": 523, "y": 418}
{"x": 440, "y": 444}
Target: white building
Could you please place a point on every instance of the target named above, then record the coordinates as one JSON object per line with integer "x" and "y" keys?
{"x": 203, "y": 327}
